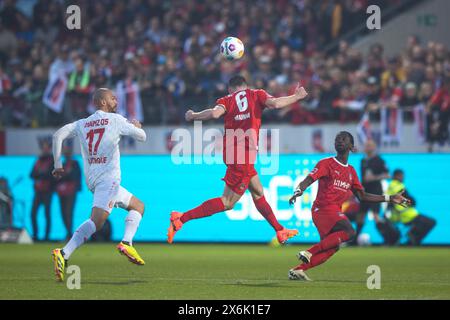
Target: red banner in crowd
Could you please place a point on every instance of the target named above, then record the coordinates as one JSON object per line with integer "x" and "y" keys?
{"x": 55, "y": 92}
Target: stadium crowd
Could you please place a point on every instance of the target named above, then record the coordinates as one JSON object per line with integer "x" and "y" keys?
{"x": 170, "y": 49}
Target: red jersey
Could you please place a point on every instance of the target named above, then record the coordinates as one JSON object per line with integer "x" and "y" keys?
{"x": 336, "y": 182}
{"x": 242, "y": 122}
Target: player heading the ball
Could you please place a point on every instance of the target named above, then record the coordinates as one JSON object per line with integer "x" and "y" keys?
{"x": 242, "y": 110}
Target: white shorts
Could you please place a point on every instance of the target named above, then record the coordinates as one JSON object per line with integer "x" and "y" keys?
{"x": 109, "y": 194}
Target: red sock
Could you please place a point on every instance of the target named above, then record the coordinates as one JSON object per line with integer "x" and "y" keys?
{"x": 317, "y": 259}
{"x": 330, "y": 241}
{"x": 206, "y": 209}
{"x": 264, "y": 208}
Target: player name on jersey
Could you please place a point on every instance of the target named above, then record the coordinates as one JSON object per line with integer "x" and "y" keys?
{"x": 98, "y": 160}
{"x": 96, "y": 123}
{"x": 240, "y": 117}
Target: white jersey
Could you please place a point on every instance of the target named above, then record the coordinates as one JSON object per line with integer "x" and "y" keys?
{"x": 99, "y": 137}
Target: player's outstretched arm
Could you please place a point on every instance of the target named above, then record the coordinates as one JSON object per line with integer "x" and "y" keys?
{"x": 132, "y": 128}
{"x": 59, "y": 136}
{"x": 302, "y": 186}
{"x": 395, "y": 199}
{"x": 207, "y": 114}
{"x": 281, "y": 102}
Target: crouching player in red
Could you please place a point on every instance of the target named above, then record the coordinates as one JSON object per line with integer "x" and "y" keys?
{"x": 337, "y": 180}
{"x": 242, "y": 110}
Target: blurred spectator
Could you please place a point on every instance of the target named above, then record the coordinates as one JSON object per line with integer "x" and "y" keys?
{"x": 6, "y": 204}
{"x": 68, "y": 186}
{"x": 419, "y": 224}
{"x": 438, "y": 111}
{"x": 373, "y": 171}
{"x": 43, "y": 187}
{"x": 172, "y": 48}
{"x": 79, "y": 88}
{"x": 63, "y": 64}
{"x": 8, "y": 42}
{"x": 409, "y": 100}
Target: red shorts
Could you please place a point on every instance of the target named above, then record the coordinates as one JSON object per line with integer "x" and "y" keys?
{"x": 238, "y": 176}
{"x": 326, "y": 220}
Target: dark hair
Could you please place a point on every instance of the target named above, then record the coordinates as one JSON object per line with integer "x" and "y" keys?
{"x": 397, "y": 172}
{"x": 236, "y": 81}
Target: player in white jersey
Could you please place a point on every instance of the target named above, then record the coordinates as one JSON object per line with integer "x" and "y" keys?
{"x": 99, "y": 137}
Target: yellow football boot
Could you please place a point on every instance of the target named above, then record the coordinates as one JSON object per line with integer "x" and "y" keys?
{"x": 131, "y": 253}
{"x": 59, "y": 264}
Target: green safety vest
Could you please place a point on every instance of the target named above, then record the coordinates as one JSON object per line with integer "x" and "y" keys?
{"x": 399, "y": 213}
{"x": 83, "y": 81}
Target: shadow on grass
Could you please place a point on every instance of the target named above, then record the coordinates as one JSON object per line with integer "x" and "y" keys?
{"x": 258, "y": 285}
{"x": 338, "y": 281}
{"x": 287, "y": 284}
{"x": 115, "y": 283}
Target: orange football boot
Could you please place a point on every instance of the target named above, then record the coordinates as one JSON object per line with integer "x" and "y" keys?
{"x": 285, "y": 234}
{"x": 175, "y": 225}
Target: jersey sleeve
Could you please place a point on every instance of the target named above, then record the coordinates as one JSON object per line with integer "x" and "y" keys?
{"x": 68, "y": 131}
{"x": 262, "y": 97}
{"x": 320, "y": 170}
{"x": 222, "y": 102}
{"x": 356, "y": 183}
{"x": 126, "y": 128}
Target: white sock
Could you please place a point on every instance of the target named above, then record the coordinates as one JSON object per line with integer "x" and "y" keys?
{"x": 81, "y": 235}
{"x": 131, "y": 225}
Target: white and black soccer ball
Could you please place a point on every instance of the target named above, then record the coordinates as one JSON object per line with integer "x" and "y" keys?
{"x": 232, "y": 48}
{"x": 364, "y": 239}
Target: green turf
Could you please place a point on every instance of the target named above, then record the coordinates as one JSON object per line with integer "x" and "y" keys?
{"x": 182, "y": 271}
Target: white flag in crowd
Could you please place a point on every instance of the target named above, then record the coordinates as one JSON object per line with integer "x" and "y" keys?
{"x": 364, "y": 129}
{"x": 129, "y": 99}
{"x": 55, "y": 92}
{"x": 391, "y": 126}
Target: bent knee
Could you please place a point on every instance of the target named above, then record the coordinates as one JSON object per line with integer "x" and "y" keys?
{"x": 137, "y": 205}
{"x": 228, "y": 205}
{"x": 257, "y": 194}
{"x": 98, "y": 223}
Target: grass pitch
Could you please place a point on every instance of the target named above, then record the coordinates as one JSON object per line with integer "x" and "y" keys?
{"x": 189, "y": 271}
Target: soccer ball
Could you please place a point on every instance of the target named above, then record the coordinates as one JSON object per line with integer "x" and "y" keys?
{"x": 364, "y": 239}
{"x": 232, "y": 48}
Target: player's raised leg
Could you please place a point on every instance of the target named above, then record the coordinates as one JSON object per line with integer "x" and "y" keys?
{"x": 298, "y": 273}
{"x": 341, "y": 232}
{"x": 135, "y": 209}
{"x": 206, "y": 209}
{"x": 80, "y": 236}
{"x": 257, "y": 191}
{"x": 322, "y": 251}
